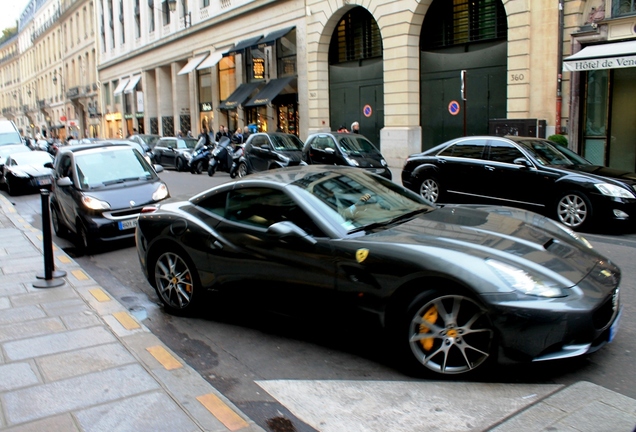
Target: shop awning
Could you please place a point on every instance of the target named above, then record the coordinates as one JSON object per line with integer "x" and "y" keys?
{"x": 240, "y": 46}
{"x": 606, "y": 56}
{"x": 272, "y": 89}
{"x": 192, "y": 64}
{"x": 132, "y": 84}
{"x": 240, "y": 95}
{"x": 211, "y": 61}
{"x": 121, "y": 86}
{"x": 272, "y": 37}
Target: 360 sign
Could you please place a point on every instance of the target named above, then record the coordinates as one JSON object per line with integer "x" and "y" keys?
{"x": 517, "y": 77}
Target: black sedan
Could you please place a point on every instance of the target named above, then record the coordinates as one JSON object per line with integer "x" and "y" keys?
{"x": 265, "y": 151}
{"x": 347, "y": 149}
{"x": 174, "y": 152}
{"x": 454, "y": 286}
{"x": 531, "y": 173}
{"x": 24, "y": 171}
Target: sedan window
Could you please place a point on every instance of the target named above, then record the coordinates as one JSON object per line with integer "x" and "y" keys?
{"x": 546, "y": 153}
{"x": 465, "y": 149}
{"x": 286, "y": 142}
{"x": 355, "y": 145}
{"x": 501, "y": 151}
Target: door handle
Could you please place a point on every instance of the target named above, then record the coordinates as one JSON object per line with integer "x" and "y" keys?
{"x": 489, "y": 168}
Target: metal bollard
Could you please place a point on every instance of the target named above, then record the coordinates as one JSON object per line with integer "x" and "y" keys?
{"x": 51, "y": 277}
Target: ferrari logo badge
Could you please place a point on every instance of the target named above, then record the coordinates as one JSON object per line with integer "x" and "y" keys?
{"x": 362, "y": 254}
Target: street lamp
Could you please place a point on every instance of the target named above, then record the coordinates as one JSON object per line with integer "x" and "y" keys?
{"x": 187, "y": 17}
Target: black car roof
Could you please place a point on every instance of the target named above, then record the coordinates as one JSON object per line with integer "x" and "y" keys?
{"x": 82, "y": 147}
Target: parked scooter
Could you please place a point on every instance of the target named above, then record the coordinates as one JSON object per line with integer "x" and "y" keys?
{"x": 221, "y": 159}
{"x": 236, "y": 158}
{"x": 200, "y": 157}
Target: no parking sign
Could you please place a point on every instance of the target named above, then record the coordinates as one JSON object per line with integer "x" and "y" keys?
{"x": 453, "y": 107}
{"x": 367, "y": 110}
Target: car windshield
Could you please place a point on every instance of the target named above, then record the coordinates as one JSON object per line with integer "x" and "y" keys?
{"x": 108, "y": 166}
{"x": 186, "y": 143}
{"x": 286, "y": 142}
{"x": 355, "y": 145}
{"x": 150, "y": 140}
{"x": 358, "y": 200}
{"x": 547, "y": 153}
{"x": 31, "y": 158}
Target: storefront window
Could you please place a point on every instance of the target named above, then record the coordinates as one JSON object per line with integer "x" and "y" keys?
{"x": 623, "y": 7}
{"x": 227, "y": 77}
{"x": 286, "y": 54}
{"x": 205, "y": 86}
{"x": 596, "y": 105}
{"x": 288, "y": 118}
{"x": 255, "y": 64}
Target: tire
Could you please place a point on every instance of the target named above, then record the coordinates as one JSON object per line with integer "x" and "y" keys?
{"x": 430, "y": 189}
{"x": 242, "y": 170}
{"x": 211, "y": 169}
{"x": 11, "y": 190}
{"x": 199, "y": 167}
{"x": 574, "y": 210}
{"x": 461, "y": 340}
{"x": 233, "y": 172}
{"x": 58, "y": 226}
{"x": 84, "y": 242}
{"x": 176, "y": 282}
{"x": 179, "y": 165}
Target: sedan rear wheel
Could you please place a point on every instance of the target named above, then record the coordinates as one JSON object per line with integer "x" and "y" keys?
{"x": 176, "y": 282}
{"x": 448, "y": 334}
{"x": 574, "y": 210}
{"x": 430, "y": 189}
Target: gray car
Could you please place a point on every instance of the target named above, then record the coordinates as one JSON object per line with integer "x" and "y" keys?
{"x": 174, "y": 152}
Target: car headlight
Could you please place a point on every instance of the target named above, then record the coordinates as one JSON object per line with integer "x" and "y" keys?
{"x": 351, "y": 161}
{"x": 160, "y": 193}
{"x": 524, "y": 282}
{"x": 611, "y": 190}
{"x": 187, "y": 155}
{"x": 94, "y": 204}
{"x": 383, "y": 162}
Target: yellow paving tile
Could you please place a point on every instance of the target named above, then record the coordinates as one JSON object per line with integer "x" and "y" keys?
{"x": 99, "y": 294}
{"x": 222, "y": 412}
{"x": 166, "y": 359}
{"x": 80, "y": 275}
{"x": 126, "y": 320}
{"x": 64, "y": 259}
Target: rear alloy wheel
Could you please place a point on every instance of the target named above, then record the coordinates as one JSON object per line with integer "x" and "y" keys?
{"x": 430, "y": 190}
{"x": 448, "y": 334}
{"x": 574, "y": 210}
{"x": 176, "y": 282}
{"x": 242, "y": 169}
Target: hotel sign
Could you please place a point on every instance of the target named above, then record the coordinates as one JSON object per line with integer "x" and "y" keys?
{"x": 604, "y": 63}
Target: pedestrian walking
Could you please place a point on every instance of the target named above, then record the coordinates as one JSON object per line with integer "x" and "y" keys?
{"x": 355, "y": 127}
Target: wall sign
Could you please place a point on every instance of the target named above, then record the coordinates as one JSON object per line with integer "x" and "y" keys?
{"x": 367, "y": 110}
{"x": 453, "y": 107}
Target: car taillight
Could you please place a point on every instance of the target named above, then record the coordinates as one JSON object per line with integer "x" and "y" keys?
{"x": 150, "y": 209}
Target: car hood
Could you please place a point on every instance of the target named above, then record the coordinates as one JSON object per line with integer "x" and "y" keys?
{"x": 520, "y": 238}
{"x": 126, "y": 195}
{"x": 367, "y": 160}
{"x": 31, "y": 170}
{"x": 295, "y": 156}
{"x": 601, "y": 171}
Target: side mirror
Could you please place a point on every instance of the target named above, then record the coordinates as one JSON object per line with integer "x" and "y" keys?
{"x": 523, "y": 162}
{"x": 65, "y": 181}
{"x": 288, "y": 231}
{"x": 48, "y": 165}
{"x": 330, "y": 150}
{"x": 158, "y": 168}
{"x": 264, "y": 147}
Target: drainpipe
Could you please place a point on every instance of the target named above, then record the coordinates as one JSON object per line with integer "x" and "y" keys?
{"x": 559, "y": 95}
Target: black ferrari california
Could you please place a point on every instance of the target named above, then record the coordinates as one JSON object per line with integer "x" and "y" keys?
{"x": 456, "y": 287}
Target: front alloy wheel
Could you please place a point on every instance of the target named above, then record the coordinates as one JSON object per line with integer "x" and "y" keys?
{"x": 449, "y": 334}
{"x": 242, "y": 169}
{"x": 174, "y": 279}
{"x": 573, "y": 210}
{"x": 429, "y": 189}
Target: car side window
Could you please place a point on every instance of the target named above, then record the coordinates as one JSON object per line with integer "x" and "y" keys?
{"x": 64, "y": 169}
{"x": 323, "y": 142}
{"x": 259, "y": 141}
{"x": 501, "y": 151}
{"x": 262, "y": 207}
{"x": 471, "y": 149}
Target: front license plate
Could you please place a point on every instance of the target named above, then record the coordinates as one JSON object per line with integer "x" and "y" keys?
{"x": 127, "y": 224}
{"x": 43, "y": 182}
{"x": 614, "y": 327}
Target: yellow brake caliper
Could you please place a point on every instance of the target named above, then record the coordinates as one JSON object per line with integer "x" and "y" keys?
{"x": 429, "y": 316}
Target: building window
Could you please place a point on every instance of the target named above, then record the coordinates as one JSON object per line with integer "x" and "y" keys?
{"x": 286, "y": 54}
{"x": 151, "y": 16}
{"x": 254, "y": 64}
{"x": 137, "y": 19}
{"x": 205, "y": 86}
{"x": 227, "y": 77}
{"x": 121, "y": 21}
{"x": 357, "y": 37}
{"x": 166, "y": 12}
{"x": 205, "y": 3}
{"x": 623, "y": 7}
{"x": 457, "y": 22}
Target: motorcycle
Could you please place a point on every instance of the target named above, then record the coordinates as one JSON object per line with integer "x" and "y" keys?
{"x": 221, "y": 158}
{"x": 236, "y": 159}
{"x": 200, "y": 157}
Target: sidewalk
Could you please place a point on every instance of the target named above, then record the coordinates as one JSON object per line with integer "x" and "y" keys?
{"x": 73, "y": 359}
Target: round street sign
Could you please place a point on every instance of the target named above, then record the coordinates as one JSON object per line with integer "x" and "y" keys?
{"x": 367, "y": 110}
{"x": 453, "y": 107}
